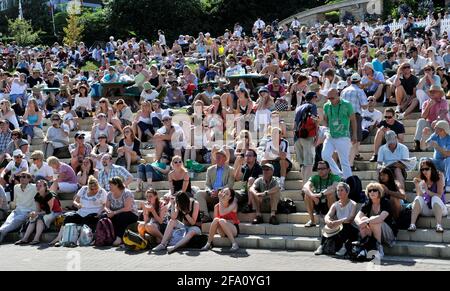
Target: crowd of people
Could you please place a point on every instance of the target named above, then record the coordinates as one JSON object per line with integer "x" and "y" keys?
{"x": 233, "y": 87}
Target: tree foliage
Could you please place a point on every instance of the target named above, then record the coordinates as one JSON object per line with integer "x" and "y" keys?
{"x": 22, "y": 32}
{"x": 74, "y": 29}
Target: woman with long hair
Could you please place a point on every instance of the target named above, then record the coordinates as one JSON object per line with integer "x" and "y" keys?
{"x": 32, "y": 119}
{"x": 142, "y": 124}
{"x": 179, "y": 179}
{"x": 392, "y": 190}
{"x": 7, "y": 113}
{"x": 88, "y": 169}
{"x": 105, "y": 108}
{"x": 155, "y": 216}
{"x": 129, "y": 147}
{"x": 430, "y": 200}
{"x": 226, "y": 221}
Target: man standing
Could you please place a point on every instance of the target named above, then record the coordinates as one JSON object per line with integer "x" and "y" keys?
{"x": 356, "y": 96}
{"x": 338, "y": 115}
{"x": 218, "y": 177}
{"x": 264, "y": 192}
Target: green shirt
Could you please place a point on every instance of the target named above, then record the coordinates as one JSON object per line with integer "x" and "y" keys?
{"x": 338, "y": 117}
{"x": 320, "y": 184}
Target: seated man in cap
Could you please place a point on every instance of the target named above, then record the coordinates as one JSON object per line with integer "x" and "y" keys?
{"x": 23, "y": 203}
{"x": 373, "y": 82}
{"x": 265, "y": 195}
{"x": 440, "y": 142}
{"x": 392, "y": 155}
{"x": 56, "y": 142}
{"x": 10, "y": 174}
{"x": 79, "y": 151}
{"x": 218, "y": 177}
{"x": 169, "y": 139}
{"x": 434, "y": 109}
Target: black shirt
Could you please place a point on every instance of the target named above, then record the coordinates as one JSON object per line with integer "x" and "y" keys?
{"x": 409, "y": 84}
{"x": 255, "y": 172}
{"x": 43, "y": 201}
{"x": 384, "y": 206}
{"x": 55, "y": 84}
{"x": 397, "y": 127}
{"x": 33, "y": 82}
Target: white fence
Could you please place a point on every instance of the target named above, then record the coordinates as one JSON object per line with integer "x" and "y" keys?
{"x": 445, "y": 25}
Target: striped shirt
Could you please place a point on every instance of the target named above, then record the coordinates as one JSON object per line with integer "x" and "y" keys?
{"x": 115, "y": 171}
{"x": 5, "y": 139}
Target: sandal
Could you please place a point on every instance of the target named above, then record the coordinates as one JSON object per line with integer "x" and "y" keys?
{"x": 34, "y": 243}
{"x": 412, "y": 228}
{"x": 21, "y": 243}
{"x": 439, "y": 228}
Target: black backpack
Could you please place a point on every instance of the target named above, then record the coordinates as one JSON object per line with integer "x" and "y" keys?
{"x": 356, "y": 190}
{"x": 286, "y": 206}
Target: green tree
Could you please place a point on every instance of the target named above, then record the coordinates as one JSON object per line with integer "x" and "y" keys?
{"x": 74, "y": 29}
{"x": 22, "y": 32}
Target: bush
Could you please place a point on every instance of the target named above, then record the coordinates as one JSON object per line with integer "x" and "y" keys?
{"x": 333, "y": 17}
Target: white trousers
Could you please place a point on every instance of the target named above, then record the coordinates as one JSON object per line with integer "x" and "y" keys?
{"x": 343, "y": 147}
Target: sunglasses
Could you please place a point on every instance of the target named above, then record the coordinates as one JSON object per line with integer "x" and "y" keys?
{"x": 372, "y": 191}
{"x": 102, "y": 102}
{"x": 177, "y": 162}
{"x": 24, "y": 177}
{"x": 425, "y": 169}
{"x": 388, "y": 117}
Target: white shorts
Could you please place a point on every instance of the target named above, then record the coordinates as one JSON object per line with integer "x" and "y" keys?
{"x": 435, "y": 201}
{"x": 67, "y": 187}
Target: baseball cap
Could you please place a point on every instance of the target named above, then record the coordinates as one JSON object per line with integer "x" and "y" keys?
{"x": 356, "y": 78}
{"x": 17, "y": 153}
{"x": 268, "y": 166}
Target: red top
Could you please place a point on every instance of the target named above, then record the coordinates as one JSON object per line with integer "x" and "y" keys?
{"x": 232, "y": 216}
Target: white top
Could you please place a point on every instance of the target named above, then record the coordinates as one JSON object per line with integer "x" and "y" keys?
{"x": 61, "y": 134}
{"x": 178, "y": 138}
{"x": 162, "y": 40}
{"x": 14, "y": 170}
{"x": 272, "y": 151}
{"x": 83, "y": 102}
{"x": 149, "y": 97}
{"x": 13, "y": 120}
{"x": 93, "y": 204}
{"x": 418, "y": 65}
{"x": 25, "y": 198}
{"x": 17, "y": 88}
{"x": 371, "y": 118}
{"x": 386, "y": 157}
{"x": 44, "y": 171}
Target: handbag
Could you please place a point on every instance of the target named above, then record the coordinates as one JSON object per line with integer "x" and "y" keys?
{"x": 177, "y": 235}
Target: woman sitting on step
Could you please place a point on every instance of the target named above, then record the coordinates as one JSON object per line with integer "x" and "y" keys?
{"x": 155, "y": 216}
{"x": 430, "y": 200}
{"x": 87, "y": 169}
{"x": 392, "y": 190}
{"x": 101, "y": 149}
{"x": 185, "y": 223}
{"x": 48, "y": 208}
{"x": 129, "y": 152}
{"x": 90, "y": 201}
{"x": 179, "y": 179}
{"x": 154, "y": 172}
{"x": 226, "y": 221}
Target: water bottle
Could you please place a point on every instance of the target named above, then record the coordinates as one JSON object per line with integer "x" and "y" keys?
{"x": 423, "y": 187}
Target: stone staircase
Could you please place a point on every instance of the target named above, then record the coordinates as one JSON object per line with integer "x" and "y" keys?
{"x": 291, "y": 234}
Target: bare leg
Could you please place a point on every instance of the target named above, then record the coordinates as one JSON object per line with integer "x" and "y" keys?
{"x": 412, "y": 107}
{"x": 400, "y": 178}
{"x": 213, "y": 230}
{"x": 153, "y": 230}
{"x": 39, "y": 230}
{"x": 415, "y": 212}
{"x": 226, "y": 227}
{"x": 376, "y": 231}
{"x": 310, "y": 208}
{"x": 378, "y": 141}
{"x": 31, "y": 227}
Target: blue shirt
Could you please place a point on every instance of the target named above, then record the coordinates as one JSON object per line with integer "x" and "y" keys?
{"x": 443, "y": 142}
{"x": 218, "y": 182}
{"x": 377, "y": 66}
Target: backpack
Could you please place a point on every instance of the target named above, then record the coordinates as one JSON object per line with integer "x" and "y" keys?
{"x": 281, "y": 105}
{"x": 286, "y": 206}
{"x": 133, "y": 240}
{"x": 70, "y": 235}
{"x": 86, "y": 236}
{"x": 104, "y": 233}
{"x": 307, "y": 126}
{"x": 356, "y": 190}
{"x": 361, "y": 250}
{"x": 197, "y": 242}
{"x": 329, "y": 246}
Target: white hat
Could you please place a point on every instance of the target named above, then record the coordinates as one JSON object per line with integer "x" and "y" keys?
{"x": 433, "y": 49}
{"x": 369, "y": 65}
{"x": 17, "y": 153}
{"x": 166, "y": 115}
{"x": 315, "y": 74}
{"x": 356, "y": 78}
{"x": 443, "y": 125}
{"x": 341, "y": 85}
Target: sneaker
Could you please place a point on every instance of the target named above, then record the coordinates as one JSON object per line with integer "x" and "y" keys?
{"x": 439, "y": 228}
{"x": 401, "y": 116}
{"x": 170, "y": 249}
{"x": 341, "y": 252}
{"x": 159, "y": 248}
{"x": 310, "y": 224}
{"x": 398, "y": 109}
{"x": 282, "y": 188}
{"x": 412, "y": 228}
{"x": 374, "y": 159}
{"x": 319, "y": 251}
{"x": 258, "y": 220}
{"x": 207, "y": 247}
{"x": 273, "y": 220}
{"x": 234, "y": 247}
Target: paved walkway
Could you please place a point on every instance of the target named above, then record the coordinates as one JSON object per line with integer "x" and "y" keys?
{"x": 41, "y": 258}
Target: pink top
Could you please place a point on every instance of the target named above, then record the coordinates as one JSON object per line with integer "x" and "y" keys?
{"x": 69, "y": 173}
{"x": 439, "y": 109}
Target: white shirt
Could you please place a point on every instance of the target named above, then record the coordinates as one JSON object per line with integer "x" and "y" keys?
{"x": 25, "y": 198}
{"x": 272, "y": 151}
{"x": 375, "y": 117}
{"x": 17, "y": 88}
{"x": 418, "y": 65}
{"x": 295, "y": 24}
{"x": 178, "y": 138}
{"x": 386, "y": 157}
{"x": 85, "y": 102}
{"x": 149, "y": 97}
{"x": 44, "y": 171}
{"x": 14, "y": 170}
{"x": 259, "y": 24}
{"x": 92, "y": 204}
